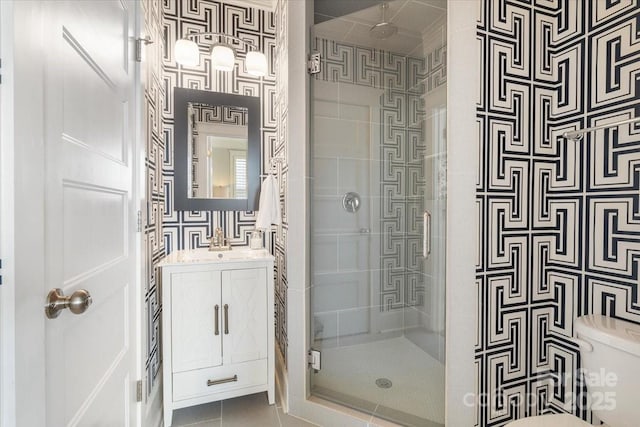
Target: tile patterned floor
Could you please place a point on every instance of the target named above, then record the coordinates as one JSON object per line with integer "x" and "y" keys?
{"x": 245, "y": 411}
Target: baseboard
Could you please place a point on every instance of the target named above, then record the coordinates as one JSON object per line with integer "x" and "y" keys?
{"x": 282, "y": 382}
{"x": 153, "y": 416}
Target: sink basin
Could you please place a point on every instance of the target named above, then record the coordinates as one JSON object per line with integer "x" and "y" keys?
{"x": 204, "y": 255}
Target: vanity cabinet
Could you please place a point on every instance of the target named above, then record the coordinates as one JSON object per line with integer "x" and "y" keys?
{"x": 217, "y": 327}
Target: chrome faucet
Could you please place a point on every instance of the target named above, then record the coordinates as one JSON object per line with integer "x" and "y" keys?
{"x": 218, "y": 242}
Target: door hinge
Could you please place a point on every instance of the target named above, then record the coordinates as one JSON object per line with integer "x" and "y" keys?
{"x": 0, "y": 271}
{"x": 313, "y": 359}
{"x": 139, "y": 391}
{"x": 139, "y": 41}
{"x": 139, "y": 221}
{"x": 313, "y": 64}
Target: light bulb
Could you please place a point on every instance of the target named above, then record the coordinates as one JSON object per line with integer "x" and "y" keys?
{"x": 186, "y": 52}
{"x": 222, "y": 58}
{"x": 256, "y": 63}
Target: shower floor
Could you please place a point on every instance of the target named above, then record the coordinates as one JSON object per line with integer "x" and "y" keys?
{"x": 416, "y": 398}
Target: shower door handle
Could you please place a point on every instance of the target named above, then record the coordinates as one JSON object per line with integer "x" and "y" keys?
{"x": 426, "y": 234}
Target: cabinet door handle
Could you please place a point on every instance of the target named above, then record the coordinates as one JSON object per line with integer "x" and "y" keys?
{"x": 226, "y": 319}
{"x": 216, "y": 316}
{"x": 222, "y": 381}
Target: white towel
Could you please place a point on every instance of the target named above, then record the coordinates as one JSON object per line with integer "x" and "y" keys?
{"x": 269, "y": 209}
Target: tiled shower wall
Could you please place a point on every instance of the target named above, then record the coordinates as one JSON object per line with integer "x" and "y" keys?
{"x": 559, "y": 220}
{"x": 402, "y": 83}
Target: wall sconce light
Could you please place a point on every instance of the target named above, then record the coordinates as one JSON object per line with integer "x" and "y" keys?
{"x": 222, "y": 55}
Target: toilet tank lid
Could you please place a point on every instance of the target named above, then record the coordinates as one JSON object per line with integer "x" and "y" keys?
{"x": 616, "y": 333}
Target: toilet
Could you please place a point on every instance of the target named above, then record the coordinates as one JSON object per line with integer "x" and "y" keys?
{"x": 610, "y": 351}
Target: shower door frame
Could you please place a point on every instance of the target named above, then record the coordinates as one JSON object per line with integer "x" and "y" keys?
{"x": 7, "y": 223}
{"x": 461, "y": 234}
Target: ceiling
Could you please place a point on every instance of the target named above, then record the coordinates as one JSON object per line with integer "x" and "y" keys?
{"x": 328, "y": 9}
{"x": 350, "y": 21}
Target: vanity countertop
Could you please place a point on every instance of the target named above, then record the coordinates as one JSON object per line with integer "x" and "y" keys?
{"x": 205, "y": 256}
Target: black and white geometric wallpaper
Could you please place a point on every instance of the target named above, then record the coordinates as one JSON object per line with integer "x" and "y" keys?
{"x": 167, "y": 230}
{"x": 559, "y": 220}
{"x": 187, "y": 230}
{"x": 279, "y": 149}
{"x": 226, "y": 114}
{"x": 404, "y": 81}
{"x": 154, "y": 98}
{"x": 184, "y": 229}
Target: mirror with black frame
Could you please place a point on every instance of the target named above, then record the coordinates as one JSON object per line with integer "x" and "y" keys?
{"x": 217, "y": 150}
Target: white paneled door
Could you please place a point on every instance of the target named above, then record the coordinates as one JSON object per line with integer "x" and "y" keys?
{"x": 90, "y": 204}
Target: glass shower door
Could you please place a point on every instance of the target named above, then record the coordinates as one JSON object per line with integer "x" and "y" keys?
{"x": 378, "y": 163}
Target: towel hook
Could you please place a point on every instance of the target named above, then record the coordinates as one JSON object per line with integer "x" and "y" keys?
{"x": 274, "y": 161}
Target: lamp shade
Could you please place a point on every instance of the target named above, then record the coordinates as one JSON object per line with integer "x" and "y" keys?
{"x": 256, "y": 63}
{"x": 222, "y": 57}
{"x": 187, "y": 53}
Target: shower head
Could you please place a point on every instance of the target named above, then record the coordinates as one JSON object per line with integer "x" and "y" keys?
{"x": 383, "y": 29}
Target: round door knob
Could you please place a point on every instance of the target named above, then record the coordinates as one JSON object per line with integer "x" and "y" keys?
{"x": 77, "y": 302}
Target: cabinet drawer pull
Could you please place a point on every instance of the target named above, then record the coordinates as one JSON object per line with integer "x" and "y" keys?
{"x": 226, "y": 319}
{"x": 232, "y": 379}
{"x": 216, "y": 309}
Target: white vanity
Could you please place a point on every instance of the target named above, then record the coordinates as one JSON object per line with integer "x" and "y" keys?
{"x": 217, "y": 326}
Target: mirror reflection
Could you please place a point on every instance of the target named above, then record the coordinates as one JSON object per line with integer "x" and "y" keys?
{"x": 217, "y": 150}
